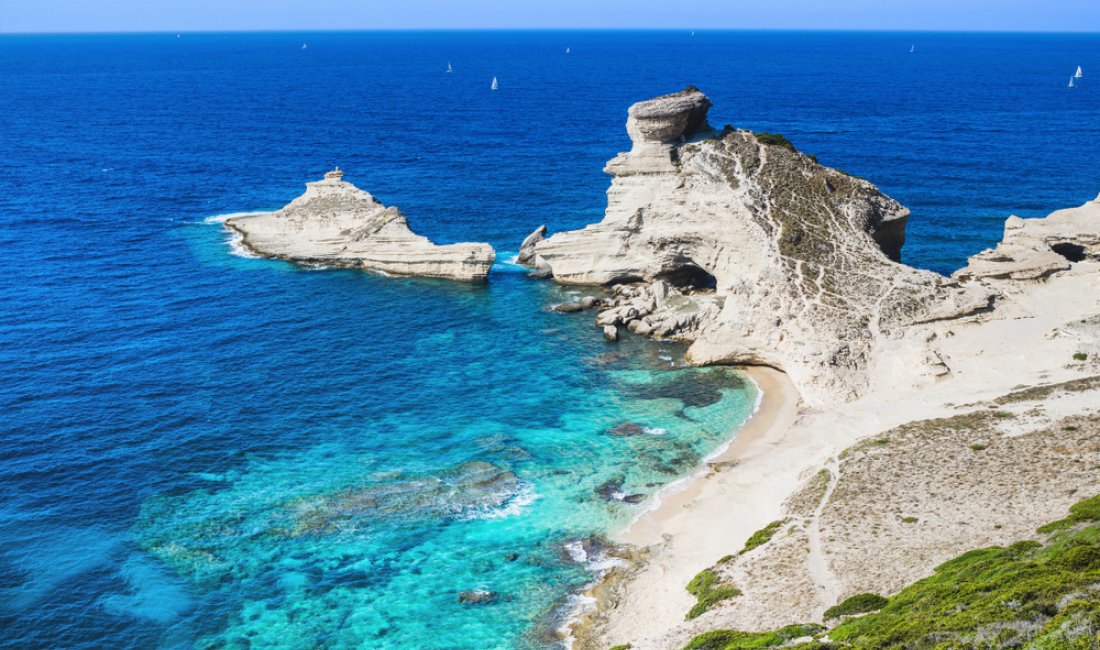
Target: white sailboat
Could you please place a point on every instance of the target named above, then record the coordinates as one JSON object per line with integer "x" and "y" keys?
{"x": 449, "y": 68}
{"x": 495, "y": 85}
{"x": 304, "y": 46}
{"x": 567, "y": 50}
{"x": 1071, "y": 82}
{"x": 1079, "y": 74}
{"x": 912, "y": 48}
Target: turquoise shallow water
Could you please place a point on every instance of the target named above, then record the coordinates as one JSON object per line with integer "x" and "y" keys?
{"x": 202, "y": 450}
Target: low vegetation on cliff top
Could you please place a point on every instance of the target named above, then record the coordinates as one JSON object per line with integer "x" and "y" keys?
{"x": 1037, "y": 595}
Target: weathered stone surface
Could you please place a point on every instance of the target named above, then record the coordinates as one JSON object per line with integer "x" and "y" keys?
{"x": 336, "y": 223}
{"x": 611, "y": 333}
{"x": 752, "y": 251}
{"x": 527, "y": 248}
{"x": 1035, "y": 249}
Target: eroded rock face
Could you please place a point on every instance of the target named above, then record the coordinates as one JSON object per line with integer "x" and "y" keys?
{"x": 1035, "y": 249}
{"x": 336, "y": 223}
{"x": 752, "y": 251}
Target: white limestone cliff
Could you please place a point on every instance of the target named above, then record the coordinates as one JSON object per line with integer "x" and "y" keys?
{"x": 753, "y": 252}
{"x": 1034, "y": 249}
{"x": 338, "y": 224}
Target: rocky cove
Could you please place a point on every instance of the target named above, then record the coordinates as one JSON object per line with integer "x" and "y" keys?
{"x": 753, "y": 254}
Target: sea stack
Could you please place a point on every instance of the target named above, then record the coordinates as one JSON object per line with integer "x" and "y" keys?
{"x": 753, "y": 252}
{"x": 337, "y": 224}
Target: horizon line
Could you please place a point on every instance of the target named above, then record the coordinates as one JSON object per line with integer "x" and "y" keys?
{"x": 367, "y": 30}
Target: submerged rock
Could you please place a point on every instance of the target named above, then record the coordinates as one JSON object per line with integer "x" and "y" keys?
{"x": 336, "y": 223}
{"x": 626, "y": 429}
{"x": 477, "y": 597}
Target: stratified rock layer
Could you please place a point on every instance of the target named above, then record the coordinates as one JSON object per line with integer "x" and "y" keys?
{"x": 1034, "y": 249}
{"x": 336, "y": 223}
{"x": 751, "y": 250}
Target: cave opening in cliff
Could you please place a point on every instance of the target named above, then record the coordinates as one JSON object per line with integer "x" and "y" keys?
{"x": 689, "y": 275}
{"x": 1071, "y": 252}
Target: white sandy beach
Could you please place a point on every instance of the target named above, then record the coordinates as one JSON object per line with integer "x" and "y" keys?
{"x": 1029, "y": 340}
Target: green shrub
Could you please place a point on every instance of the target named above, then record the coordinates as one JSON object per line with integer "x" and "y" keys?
{"x": 735, "y": 640}
{"x": 858, "y": 604}
{"x": 909, "y": 520}
{"x": 979, "y": 446}
{"x": 1034, "y": 595}
{"x": 1087, "y": 510}
{"x": 775, "y": 139}
{"x": 1080, "y": 356}
{"x": 761, "y": 536}
{"x": 708, "y": 590}
{"x": 624, "y": 646}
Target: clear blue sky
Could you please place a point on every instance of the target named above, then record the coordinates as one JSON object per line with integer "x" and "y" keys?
{"x": 219, "y": 15}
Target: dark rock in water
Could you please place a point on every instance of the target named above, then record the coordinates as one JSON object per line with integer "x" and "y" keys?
{"x": 511, "y": 557}
{"x": 588, "y": 302}
{"x": 610, "y": 488}
{"x": 477, "y": 597}
{"x": 568, "y": 307}
{"x": 692, "y": 388}
{"x": 634, "y": 498}
{"x": 626, "y": 429}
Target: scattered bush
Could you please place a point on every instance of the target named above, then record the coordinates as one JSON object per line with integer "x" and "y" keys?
{"x": 1087, "y": 510}
{"x": 858, "y": 604}
{"x": 909, "y": 520}
{"x": 708, "y": 589}
{"x": 735, "y": 640}
{"x": 1030, "y": 594}
{"x": 775, "y": 139}
{"x": 1080, "y": 356}
{"x": 979, "y": 446}
{"x": 761, "y": 536}
{"x": 624, "y": 646}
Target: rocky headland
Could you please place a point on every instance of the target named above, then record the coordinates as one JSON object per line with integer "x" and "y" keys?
{"x": 753, "y": 252}
{"x": 337, "y": 224}
{"x": 916, "y": 417}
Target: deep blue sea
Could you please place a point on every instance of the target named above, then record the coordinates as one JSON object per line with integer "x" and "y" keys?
{"x": 199, "y": 449}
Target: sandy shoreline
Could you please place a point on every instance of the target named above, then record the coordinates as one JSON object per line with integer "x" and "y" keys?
{"x": 785, "y": 443}
{"x": 658, "y": 526}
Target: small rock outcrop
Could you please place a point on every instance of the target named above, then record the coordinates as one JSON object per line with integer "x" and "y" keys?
{"x": 1035, "y": 249}
{"x": 527, "y": 248}
{"x": 752, "y": 251}
{"x": 336, "y": 223}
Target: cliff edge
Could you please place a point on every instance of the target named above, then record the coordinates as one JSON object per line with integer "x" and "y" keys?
{"x": 752, "y": 251}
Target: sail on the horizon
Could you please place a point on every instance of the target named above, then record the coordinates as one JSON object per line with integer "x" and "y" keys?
{"x": 1079, "y": 74}
{"x": 449, "y": 68}
{"x": 495, "y": 85}
{"x": 1071, "y": 82}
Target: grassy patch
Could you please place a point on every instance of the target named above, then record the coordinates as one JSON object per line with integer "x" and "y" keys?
{"x": 1080, "y": 356}
{"x": 979, "y": 446}
{"x": 708, "y": 590}
{"x": 909, "y": 520}
{"x": 1038, "y": 595}
{"x": 762, "y": 536}
{"x": 858, "y": 604}
{"x": 775, "y": 140}
{"x": 1087, "y": 510}
{"x": 734, "y": 640}
{"x": 624, "y": 646}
